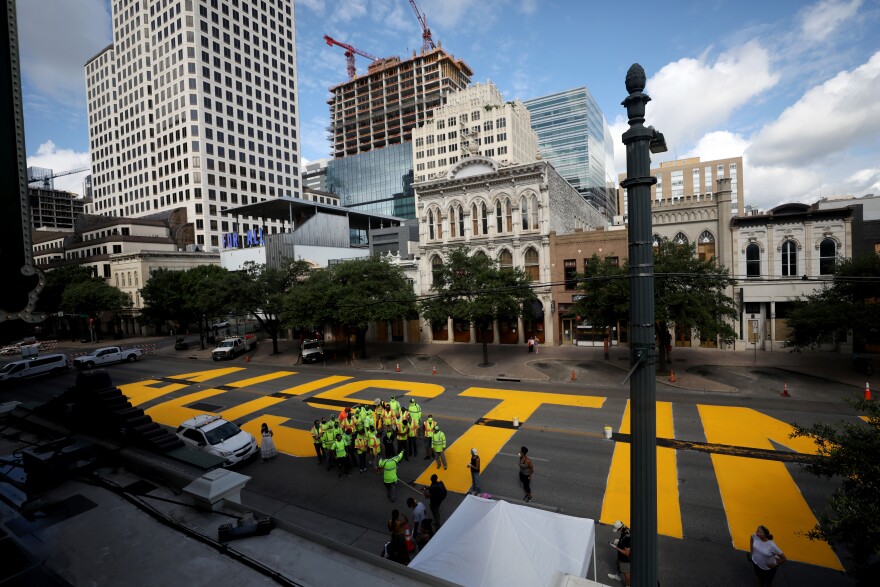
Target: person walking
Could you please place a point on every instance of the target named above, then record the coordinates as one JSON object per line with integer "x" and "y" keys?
{"x": 435, "y": 494}
{"x": 428, "y": 426}
{"x": 474, "y": 466}
{"x": 766, "y": 556}
{"x": 531, "y": 343}
{"x": 397, "y": 527}
{"x": 438, "y": 445}
{"x": 622, "y": 546}
{"x": 415, "y": 415}
{"x": 388, "y": 442}
{"x": 339, "y": 451}
{"x": 267, "y": 446}
{"x": 525, "y": 472}
{"x": 316, "y": 433}
{"x": 389, "y": 475}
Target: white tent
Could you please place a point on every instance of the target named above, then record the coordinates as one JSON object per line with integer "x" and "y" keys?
{"x": 490, "y": 543}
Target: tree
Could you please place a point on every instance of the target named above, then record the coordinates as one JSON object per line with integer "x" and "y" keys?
{"x": 57, "y": 280}
{"x": 91, "y": 297}
{"x": 264, "y": 290}
{"x": 352, "y": 294}
{"x": 474, "y": 288}
{"x": 850, "y": 452}
{"x": 209, "y": 292}
{"x": 165, "y": 299}
{"x": 850, "y": 301}
{"x": 605, "y": 294}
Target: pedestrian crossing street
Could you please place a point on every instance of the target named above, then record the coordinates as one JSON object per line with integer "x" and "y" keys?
{"x": 776, "y": 501}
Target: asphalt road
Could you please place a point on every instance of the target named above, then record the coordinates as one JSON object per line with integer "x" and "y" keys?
{"x": 577, "y": 470}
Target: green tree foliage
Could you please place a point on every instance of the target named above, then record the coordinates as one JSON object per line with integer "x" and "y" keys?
{"x": 57, "y": 280}
{"x": 850, "y": 301}
{"x": 688, "y": 292}
{"x": 263, "y": 290}
{"x": 92, "y": 297}
{"x": 164, "y": 299}
{"x": 851, "y": 453}
{"x": 209, "y": 292}
{"x": 604, "y": 288}
{"x": 351, "y": 294}
{"x": 474, "y": 288}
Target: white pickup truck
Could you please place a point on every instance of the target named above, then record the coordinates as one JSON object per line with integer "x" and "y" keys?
{"x": 107, "y": 354}
{"x": 230, "y": 348}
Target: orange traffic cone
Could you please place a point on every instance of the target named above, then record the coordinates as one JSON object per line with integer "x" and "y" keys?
{"x": 410, "y": 547}
{"x": 247, "y": 358}
{"x": 672, "y": 375}
{"x": 397, "y": 368}
{"x": 574, "y": 376}
{"x": 785, "y": 390}
{"x": 867, "y": 392}
{"x": 434, "y": 372}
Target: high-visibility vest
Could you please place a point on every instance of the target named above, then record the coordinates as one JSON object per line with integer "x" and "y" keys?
{"x": 316, "y": 435}
{"x": 415, "y": 413}
{"x": 339, "y": 448}
{"x": 438, "y": 441}
{"x": 373, "y": 444}
{"x": 389, "y": 468}
{"x": 395, "y": 406}
{"x": 328, "y": 438}
{"x": 413, "y": 429}
{"x": 429, "y": 427}
{"x": 402, "y": 430}
{"x": 360, "y": 444}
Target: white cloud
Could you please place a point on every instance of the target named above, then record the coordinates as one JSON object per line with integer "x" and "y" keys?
{"x": 694, "y": 96}
{"x": 830, "y": 118}
{"x": 56, "y": 40}
{"x": 865, "y": 180}
{"x": 719, "y": 145}
{"x": 313, "y": 5}
{"x": 769, "y": 186}
{"x": 821, "y": 20}
{"x": 58, "y": 160}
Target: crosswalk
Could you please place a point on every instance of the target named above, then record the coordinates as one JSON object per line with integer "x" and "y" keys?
{"x": 755, "y": 487}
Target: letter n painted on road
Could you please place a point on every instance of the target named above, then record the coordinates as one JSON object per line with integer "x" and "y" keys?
{"x": 616, "y": 505}
{"x": 758, "y": 491}
{"x": 490, "y": 439}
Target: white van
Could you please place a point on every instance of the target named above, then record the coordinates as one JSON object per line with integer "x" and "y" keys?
{"x": 55, "y": 363}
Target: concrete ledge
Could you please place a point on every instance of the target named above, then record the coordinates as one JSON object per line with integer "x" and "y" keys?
{"x": 217, "y": 486}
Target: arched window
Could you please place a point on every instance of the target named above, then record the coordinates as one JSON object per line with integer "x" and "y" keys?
{"x": 117, "y": 280}
{"x": 789, "y": 258}
{"x": 129, "y": 278}
{"x": 436, "y": 269}
{"x": 499, "y": 217}
{"x": 656, "y": 240}
{"x": 460, "y": 216}
{"x": 484, "y": 218}
{"x": 531, "y": 265}
{"x": 827, "y": 256}
{"x": 456, "y": 222}
{"x": 505, "y": 259}
{"x": 533, "y": 208}
{"x": 430, "y": 225}
{"x": 508, "y": 216}
{"x": 475, "y": 218}
{"x": 438, "y": 225}
{"x": 453, "y": 231}
{"x": 753, "y": 260}
{"x": 524, "y": 212}
{"x": 706, "y": 246}
{"x": 136, "y": 280}
{"x": 680, "y": 239}
{"x": 481, "y": 255}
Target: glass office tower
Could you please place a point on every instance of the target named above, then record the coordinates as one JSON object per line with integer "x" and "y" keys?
{"x": 377, "y": 181}
{"x": 574, "y": 137}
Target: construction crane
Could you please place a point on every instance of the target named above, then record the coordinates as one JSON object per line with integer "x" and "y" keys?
{"x": 349, "y": 55}
{"x": 48, "y": 178}
{"x": 427, "y": 41}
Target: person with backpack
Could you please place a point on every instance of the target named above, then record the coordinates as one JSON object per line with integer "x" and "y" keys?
{"x": 435, "y": 494}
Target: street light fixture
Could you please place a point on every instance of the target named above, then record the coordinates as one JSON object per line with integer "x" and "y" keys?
{"x": 640, "y": 141}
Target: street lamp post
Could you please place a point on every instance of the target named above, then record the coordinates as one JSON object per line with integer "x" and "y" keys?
{"x": 640, "y": 141}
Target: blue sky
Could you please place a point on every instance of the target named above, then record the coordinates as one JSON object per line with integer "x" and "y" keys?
{"x": 792, "y": 86}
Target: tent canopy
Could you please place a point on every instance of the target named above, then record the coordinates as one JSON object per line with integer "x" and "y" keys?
{"x": 490, "y": 543}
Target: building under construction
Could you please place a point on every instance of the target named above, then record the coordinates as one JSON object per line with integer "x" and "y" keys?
{"x": 381, "y": 108}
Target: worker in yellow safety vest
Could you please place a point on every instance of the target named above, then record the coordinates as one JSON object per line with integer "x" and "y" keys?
{"x": 373, "y": 447}
{"x": 429, "y": 432}
{"x": 389, "y": 475}
{"x": 438, "y": 445}
{"x": 394, "y": 405}
{"x": 327, "y": 439}
{"x": 360, "y": 449}
{"x": 403, "y": 436}
{"x": 342, "y": 463}
{"x": 316, "y": 433}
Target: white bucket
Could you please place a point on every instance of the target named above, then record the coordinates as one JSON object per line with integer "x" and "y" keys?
{"x": 608, "y": 432}
{"x": 515, "y": 422}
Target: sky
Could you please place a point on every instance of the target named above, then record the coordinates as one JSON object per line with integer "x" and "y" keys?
{"x": 792, "y": 86}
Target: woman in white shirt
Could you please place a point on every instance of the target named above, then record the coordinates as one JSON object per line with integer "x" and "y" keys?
{"x": 766, "y": 556}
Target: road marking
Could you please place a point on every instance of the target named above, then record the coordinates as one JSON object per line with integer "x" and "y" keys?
{"x": 143, "y": 391}
{"x": 341, "y": 394}
{"x": 200, "y": 376}
{"x": 173, "y": 412}
{"x": 260, "y": 379}
{"x": 616, "y": 504}
{"x": 489, "y": 440}
{"x": 260, "y": 403}
{"x": 757, "y": 491}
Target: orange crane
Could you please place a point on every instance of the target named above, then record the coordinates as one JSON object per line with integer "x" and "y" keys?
{"x": 349, "y": 55}
{"x": 427, "y": 41}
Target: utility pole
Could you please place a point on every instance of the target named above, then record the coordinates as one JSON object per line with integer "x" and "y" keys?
{"x": 640, "y": 141}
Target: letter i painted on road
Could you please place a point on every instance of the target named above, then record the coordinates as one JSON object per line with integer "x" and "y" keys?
{"x": 489, "y": 439}
{"x": 616, "y": 505}
{"x": 759, "y": 491}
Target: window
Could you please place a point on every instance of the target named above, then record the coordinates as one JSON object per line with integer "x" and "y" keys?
{"x": 680, "y": 239}
{"x": 531, "y": 264}
{"x": 753, "y": 260}
{"x": 706, "y": 246}
{"x": 827, "y": 256}
{"x": 570, "y": 266}
{"x": 436, "y": 270}
{"x": 505, "y": 260}
{"x": 430, "y": 225}
{"x": 789, "y": 258}
{"x": 475, "y": 218}
{"x": 484, "y": 218}
{"x": 456, "y": 222}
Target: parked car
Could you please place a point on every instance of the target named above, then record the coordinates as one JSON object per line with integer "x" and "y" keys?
{"x": 229, "y": 348}
{"x": 106, "y": 355}
{"x": 219, "y": 437}
{"x": 312, "y": 350}
{"x": 54, "y": 363}
{"x": 220, "y": 324}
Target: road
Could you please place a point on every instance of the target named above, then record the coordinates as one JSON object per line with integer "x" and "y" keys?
{"x": 710, "y": 496}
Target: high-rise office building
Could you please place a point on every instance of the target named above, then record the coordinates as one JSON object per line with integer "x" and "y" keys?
{"x": 474, "y": 121}
{"x": 194, "y": 105}
{"x": 692, "y": 179}
{"x": 574, "y": 137}
{"x": 382, "y": 107}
